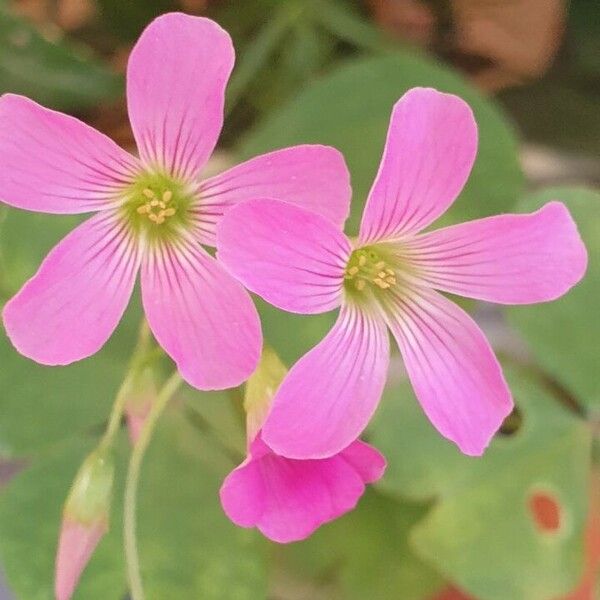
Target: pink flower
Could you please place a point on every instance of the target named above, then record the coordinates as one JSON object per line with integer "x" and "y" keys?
{"x": 287, "y": 499}
{"x": 388, "y": 278}
{"x": 152, "y": 212}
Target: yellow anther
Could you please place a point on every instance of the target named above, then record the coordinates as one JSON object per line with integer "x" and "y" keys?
{"x": 378, "y": 281}
{"x": 360, "y": 284}
{"x": 382, "y": 274}
{"x": 148, "y": 193}
{"x": 160, "y": 220}
{"x": 154, "y": 202}
{"x": 390, "y": 271}
{"x": 380, "y": 264}
{"x": 169, "y": 212}
{"x": 166, "y": 197}
{"x": 362, "y": 260}
{"x": 153, "y": 217}
{"x": 391, "y": 280}
{"x": 142, "y": 210}
{"x": 353, "y": 271}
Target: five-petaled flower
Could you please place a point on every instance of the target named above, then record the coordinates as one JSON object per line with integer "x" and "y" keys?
{"x": 153, "y": 212}
{"x": 390, "y": 277}
{"x": 285, "y": 498}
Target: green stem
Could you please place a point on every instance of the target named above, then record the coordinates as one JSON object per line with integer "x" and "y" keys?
{"x": 139, "y": 357}
{"x": 133, "y": 474}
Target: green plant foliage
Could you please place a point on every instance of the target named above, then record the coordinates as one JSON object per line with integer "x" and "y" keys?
{"x": 30, "y": 516}
{"x": 188, "y": 548}
{"x": 563, "y": 335}
{"x": 50, "y": 71}
{"x": 365, "y": 554}
{"x": 350, "y": 109}
{"x": 127, "y": 20}
{"x": 481, "y": 533}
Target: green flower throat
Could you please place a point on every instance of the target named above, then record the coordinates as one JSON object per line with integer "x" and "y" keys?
{"x": 156, "y": 205}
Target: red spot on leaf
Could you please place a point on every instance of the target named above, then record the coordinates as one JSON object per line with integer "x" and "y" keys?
{"x": 451, "y": 593}
{"x": 546, "y": 511}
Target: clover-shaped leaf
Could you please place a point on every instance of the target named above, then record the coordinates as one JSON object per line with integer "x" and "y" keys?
{"x": 563, "y": 335}
{"x": 509, "y": 524}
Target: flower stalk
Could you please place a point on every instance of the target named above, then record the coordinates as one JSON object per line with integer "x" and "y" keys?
{"x": 133, "y": 474}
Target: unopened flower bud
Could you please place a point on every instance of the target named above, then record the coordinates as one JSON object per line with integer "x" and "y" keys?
{"x": 85, "y": 520}
{"x": 261, "y": 388}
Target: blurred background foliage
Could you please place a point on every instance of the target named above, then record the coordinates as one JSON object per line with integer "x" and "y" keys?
{"x": 521, "y": 523}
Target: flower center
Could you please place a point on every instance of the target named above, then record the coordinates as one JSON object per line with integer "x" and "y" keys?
{"x": 369, "y": 269}
{"x": 156, "y": 209}
{"x": 157, "y": 205}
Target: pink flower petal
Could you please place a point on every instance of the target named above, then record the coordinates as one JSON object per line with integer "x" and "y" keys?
{"x": 330, "y": 394}
{"x": 293, "y": 258}
{"x": 50, "y": 162}
{"x": 452, "y": 368}
{"x": 511, "y": 259}
{"x": 429, "y": 151}
{"x": 201, "y": 316}
{"x": 75, "y": 548}
{"x": 69, "y": 308}
{"x": 176, "y": 80}
{"x": 288, "y": 499}
{"x": 313, "y": 177}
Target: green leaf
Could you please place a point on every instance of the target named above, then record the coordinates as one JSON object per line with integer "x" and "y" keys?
{"x": 49, "y": 70}
{"x": 188, "y": 547}
{"x": 365, "y": 554}
{"x": 30, "y": 516}
{"x": 127, "y": 20}
{"x": 43, "y": 405}
{"x": 350, "y": 109}
{"x": 482, "y": 533}
{"x": 563, "y": 335}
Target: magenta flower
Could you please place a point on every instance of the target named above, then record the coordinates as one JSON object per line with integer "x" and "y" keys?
{"x": 388, "y": 278}
{"x": 287, "y": 499}
{"x": 153, "y": 212}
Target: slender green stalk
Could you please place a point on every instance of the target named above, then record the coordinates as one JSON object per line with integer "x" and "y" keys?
{"x": 140, "y": 355}
{"x": 133, "y": 474}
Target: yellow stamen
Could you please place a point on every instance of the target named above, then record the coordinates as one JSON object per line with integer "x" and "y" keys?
{"x": 154, "y": 202}
{"x": 380, "y": 264}
{"x": 148, "y": 193}
{"x": 360, "y": 284}
{"x": 353, "y": 271}
{"x": 169, "y": 212}
{"x": 142, "y": 210}
{"x": 362, "y": 260}
{"x": 166, "y": 197}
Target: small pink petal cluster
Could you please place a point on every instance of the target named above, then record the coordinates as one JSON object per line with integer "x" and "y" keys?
{"x": 153, "y": 212}
{"x": 288, "y": 499}
{"x": 285, "y": 498}
{"x": 390, "y": 277}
